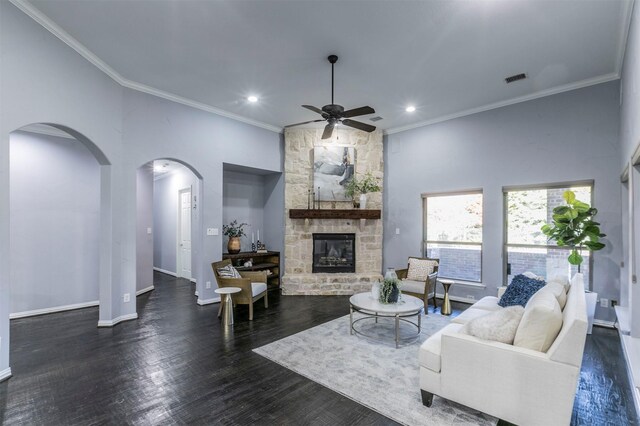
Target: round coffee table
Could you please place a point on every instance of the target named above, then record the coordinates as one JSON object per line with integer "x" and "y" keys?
{"x": 407, "y": 307}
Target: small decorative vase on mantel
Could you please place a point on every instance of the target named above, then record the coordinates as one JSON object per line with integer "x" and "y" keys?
{"x": 233, "y": 246}
{"x": 363, "y": 201}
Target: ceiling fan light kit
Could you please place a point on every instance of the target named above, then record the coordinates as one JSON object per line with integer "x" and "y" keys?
{"x": 335, "y": 114}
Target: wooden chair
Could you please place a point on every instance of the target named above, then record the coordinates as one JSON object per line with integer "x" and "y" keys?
{"x": 420, "y": 289}
{"x": 250, "y": 292}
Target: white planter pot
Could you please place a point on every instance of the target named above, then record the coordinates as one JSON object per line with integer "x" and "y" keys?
{"x": 592, "y": 301}
{"x": 363, "y": 201}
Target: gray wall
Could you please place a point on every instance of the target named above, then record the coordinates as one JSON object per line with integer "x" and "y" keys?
{"x": 629, "y": 140}
{"x": 55, "y": 206}
{"x": 565, "y": 137}
{"x": 42, "y": 80}
{"x": 144, "y": 220}
{"x": 156, "y": 128}
{"x": 274, "y": 214}
{"x": 257, "y": 199}
{"x": 243, "y": 200}
{"x": 165, "y": 216}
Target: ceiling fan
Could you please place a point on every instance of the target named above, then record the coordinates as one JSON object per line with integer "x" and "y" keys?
{"x": 334, "y": 114}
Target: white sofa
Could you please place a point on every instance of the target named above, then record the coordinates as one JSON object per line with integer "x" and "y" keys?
{"x": 516, "y": 384}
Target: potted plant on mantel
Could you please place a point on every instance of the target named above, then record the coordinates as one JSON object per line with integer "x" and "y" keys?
{"x": 573, "y": 226}
{"x": 234, "y": 231}
{"x": 358, "y": 188}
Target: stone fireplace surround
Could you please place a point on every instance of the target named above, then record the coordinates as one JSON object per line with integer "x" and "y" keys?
{"x": 298, "y": 278}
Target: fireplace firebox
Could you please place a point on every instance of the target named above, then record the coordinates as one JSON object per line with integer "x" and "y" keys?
{"x": 334, "y": 253}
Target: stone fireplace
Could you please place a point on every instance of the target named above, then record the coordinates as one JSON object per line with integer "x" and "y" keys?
{"x": 300, "y": 275}
{"x": 334, "y": 253}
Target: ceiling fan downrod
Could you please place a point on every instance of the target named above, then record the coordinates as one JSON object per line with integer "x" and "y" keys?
{"x": 333, "y": 59}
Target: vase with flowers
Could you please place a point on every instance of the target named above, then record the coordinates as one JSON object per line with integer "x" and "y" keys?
{"x": 357, "y": 188}
{"x": 234, "y": 231}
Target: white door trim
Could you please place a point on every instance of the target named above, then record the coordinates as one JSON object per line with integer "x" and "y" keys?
{"x": 179, "y": 268}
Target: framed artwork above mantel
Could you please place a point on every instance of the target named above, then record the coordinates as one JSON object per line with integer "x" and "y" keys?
{"x": 333, "y": 167}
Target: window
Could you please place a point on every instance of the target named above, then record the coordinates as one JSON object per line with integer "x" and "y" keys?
{"x": 526, "y": 247}
{"x": 453, "y": 234}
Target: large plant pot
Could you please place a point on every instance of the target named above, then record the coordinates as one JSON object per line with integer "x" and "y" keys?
{"x": 233, "y": 246}
{"x": 592, "y": 301}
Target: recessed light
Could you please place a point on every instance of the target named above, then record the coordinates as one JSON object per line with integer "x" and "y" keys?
{"x": 410, "y": 108}
{"x": 252, "y": 99}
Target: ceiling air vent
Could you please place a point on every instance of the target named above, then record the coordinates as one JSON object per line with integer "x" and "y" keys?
{"x": 515, "y": 78}
{"x": 376, "y": 118}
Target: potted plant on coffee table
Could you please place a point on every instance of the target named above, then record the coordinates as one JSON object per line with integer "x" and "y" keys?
{"x": 234, "y": 231}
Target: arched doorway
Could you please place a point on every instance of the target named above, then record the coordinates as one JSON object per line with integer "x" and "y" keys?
{"x": 56, "y": 210}
{"x": 169, "y": 229}
{"x": 55, "y": 222}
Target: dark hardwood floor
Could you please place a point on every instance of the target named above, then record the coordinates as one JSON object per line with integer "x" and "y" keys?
{"x": 175, "y": 365}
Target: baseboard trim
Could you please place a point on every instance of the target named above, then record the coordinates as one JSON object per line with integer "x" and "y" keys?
{"x": 5, "y": 374}
{"x": 145, "y": 290}
{"x": 203, "y": 302}
{"x": 54, "y": 309}
{"x": 603, "y": 323}
{"x": 164, "y": 271}
{"x": 111, "y": 323}
{"x": 457, "y": 299}
{"x": 624, "y": 341}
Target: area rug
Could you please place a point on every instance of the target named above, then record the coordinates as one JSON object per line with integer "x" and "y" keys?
{"x": 372, "y": 371}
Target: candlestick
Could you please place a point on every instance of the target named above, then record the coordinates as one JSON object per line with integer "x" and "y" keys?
{"x": 252, "y": 238}
{"x": 258, "y": 235}
{"x": 308, "y": 198}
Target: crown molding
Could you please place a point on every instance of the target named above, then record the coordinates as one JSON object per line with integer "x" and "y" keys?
{"x": 627, "y": 13}
{"x": 197, "y": 105}
{"x": 540, "y": 94}
{"x": 30, "y": 10}
{"x": 42, "y": 19}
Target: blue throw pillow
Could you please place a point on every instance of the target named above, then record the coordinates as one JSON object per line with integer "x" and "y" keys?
{"x": 520, "y": 291}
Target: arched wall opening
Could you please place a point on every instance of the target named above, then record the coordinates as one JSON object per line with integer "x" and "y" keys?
{"x": 55, "y": 220}
{"x": 169, "y": 233}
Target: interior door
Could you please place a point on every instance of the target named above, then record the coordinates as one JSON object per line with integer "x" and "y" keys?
{"x": 184, "y": 234}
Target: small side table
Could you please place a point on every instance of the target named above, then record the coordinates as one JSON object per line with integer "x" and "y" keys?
{"x": 445, "y": 309}
{"x": 226, "y": 304}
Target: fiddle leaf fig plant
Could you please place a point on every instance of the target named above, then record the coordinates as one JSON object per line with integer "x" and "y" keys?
{"x": 573, "y": 226}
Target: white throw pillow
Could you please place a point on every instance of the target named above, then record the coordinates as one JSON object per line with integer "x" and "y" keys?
{"x": 558, "y": 291}
{"x": 499, "y": 326}
{"x": 562, "y": 279}
{"x": 228, "y": 271}
{"x": 420, "y": 269}
{"x": 541, "y": 322}
{"x": 533, "y": 276}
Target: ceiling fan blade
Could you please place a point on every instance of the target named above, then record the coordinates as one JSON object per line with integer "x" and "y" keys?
{"x": 358, "y": 111}
{"x": 358, "y": 125}
{"x": 328, "y": 130}
{"x": 312, "y": 108}
{"x": 304, "y": 122}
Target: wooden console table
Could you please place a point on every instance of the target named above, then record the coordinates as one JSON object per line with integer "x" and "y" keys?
{"x": 269, "y": 261}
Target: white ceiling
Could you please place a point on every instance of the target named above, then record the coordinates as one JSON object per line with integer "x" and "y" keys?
{"x": 448, "y": 58}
